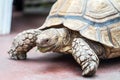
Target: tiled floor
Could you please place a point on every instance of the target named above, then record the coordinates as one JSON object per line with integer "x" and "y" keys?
{"x": 50, "y": 66}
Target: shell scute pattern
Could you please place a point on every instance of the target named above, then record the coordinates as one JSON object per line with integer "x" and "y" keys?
{"x": 94, "y": 19}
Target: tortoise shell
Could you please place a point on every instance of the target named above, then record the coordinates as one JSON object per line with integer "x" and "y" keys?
{"x": 97, "y": 20}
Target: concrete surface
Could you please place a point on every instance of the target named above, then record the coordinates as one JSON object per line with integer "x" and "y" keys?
{"x": 49, "y": 66}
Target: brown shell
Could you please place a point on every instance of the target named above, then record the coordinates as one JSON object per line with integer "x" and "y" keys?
{"x": 97, "y": 20}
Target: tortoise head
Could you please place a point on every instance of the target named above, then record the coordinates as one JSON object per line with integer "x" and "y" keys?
{"x": 51, "y": 39}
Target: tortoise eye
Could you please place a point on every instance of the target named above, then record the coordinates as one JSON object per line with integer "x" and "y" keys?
{"x": 46, "y": 40}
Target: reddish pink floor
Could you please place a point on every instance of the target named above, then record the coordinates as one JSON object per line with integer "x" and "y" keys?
{"x": 50, "y": 66}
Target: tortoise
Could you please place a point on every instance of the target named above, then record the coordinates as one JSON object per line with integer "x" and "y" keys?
{"x": 87, "y": 29}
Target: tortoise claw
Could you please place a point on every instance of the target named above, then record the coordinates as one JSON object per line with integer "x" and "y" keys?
{"x": 90, "y": 69}
{"x": 17, "y": 56}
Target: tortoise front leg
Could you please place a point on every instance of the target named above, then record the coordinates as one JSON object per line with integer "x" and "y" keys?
{"x": 22, "y": 43}
{"x": 85, "y": 56}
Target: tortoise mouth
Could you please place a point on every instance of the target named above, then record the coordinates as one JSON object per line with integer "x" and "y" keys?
{"x": 47, "y": 48}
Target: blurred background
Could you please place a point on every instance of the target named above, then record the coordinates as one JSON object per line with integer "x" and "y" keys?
{"x": 18, "y": 15}
{"x": 29, "y": 14}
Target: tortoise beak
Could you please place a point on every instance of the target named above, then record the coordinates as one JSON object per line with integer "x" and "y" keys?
{"x": 42, "y": 42}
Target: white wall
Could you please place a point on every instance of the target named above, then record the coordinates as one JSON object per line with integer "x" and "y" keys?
{"x": 5, "y": 16}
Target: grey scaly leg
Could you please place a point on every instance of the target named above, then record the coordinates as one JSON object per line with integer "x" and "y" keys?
{"x": 85, "y": 56}
{"x": 22, "y": 43}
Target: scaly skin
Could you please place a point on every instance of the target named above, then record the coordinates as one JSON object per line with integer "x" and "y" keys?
{"x": 22, "y": 43}
{"x": 83, "y": 50}
{"x": 85, "y": 56}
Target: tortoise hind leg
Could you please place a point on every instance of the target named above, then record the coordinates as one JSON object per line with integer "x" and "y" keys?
{"x": 22, "y": 43}
{"x": 85, "y": 56}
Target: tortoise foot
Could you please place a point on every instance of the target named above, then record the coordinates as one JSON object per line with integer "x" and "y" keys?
{"x": 22, "y": 43}
{"x": 85, "y": 56}
{"x": 89, "y": 68}
{"x": 17, "y": 56}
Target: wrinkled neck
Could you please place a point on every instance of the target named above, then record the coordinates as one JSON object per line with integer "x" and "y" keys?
{"x": 63, "y": 38}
